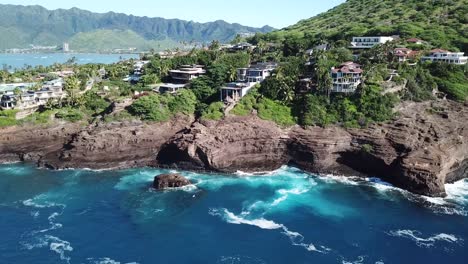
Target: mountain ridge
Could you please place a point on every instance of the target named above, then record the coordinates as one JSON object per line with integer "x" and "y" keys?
{"x": 35, "y": 24}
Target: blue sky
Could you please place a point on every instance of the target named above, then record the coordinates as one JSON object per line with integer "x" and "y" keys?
{"x": 276, "y": 13}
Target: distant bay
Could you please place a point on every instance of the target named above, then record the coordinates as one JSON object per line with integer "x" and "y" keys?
{"x": 18, "y": 61}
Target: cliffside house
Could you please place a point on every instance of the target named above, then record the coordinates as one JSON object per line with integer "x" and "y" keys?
{"x": 247, "y": 78}
{"x": 186, "y": 73}
{"x": 440, "y": 55}
{"x": 369, "y": 42}
{"x": 346, "y": 78}
{"x": 27, "y": 99}
{"x": 404, "y": 54}
{"x": 171, "y": 88}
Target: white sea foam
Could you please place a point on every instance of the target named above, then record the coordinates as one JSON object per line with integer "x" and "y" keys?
{"x": 240, "y": 260}
{"x": 424, "y": 242}
{"x": 106, "y": 261}
{"x": 55, "y": 244}
{"x": 295, "y": 237}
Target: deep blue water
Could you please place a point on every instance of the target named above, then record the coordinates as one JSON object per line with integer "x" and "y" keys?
{"x": 288, "y": 216}
{"x": 46, "y": 59}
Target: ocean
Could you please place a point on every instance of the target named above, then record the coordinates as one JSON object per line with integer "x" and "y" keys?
{"x": 286, "y": 216}
{"x": 18, "y": 61}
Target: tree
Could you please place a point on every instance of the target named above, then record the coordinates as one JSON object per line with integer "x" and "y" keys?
{"x": 72, "y": 87}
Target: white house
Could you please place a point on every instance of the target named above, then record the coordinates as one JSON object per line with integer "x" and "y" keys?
{"x": 171, "y": 88}
{"x": 187, "y": 73}
{"x": 369, "y": 42}
{"x": 52, "y": 90}
{"x": 247, "y": 78}
{"x": 346, "y": 78}
{"x": 440, "y": 55}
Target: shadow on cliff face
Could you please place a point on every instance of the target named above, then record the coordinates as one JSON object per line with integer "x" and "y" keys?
{"x": 172, "y": 156}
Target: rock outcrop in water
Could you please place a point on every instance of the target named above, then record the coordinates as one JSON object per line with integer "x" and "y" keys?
{"x": 425, "y": 147}
{"x": 167, "y": 181}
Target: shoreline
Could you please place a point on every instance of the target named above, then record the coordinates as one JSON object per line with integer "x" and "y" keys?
{"x": 250, "y": 145}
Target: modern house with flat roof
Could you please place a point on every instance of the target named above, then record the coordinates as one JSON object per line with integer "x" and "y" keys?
{"x": 247, "y": 78}
{"x": 369, "y": 42}
{"x": 52, "y": 90}
{"x": 187, "y": 73}
{"x": 171, "y": 88}
{"x": 346, "y": 78}
{"x": 440, "y": 55}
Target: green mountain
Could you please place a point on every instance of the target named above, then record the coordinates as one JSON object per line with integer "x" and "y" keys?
{"x": 21, "y": 26}
{"x": 443, "y": 23}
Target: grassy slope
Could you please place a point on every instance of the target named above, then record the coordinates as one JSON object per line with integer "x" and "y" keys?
{"x": 444, "y": 23}
{"x": 102, "y": 40}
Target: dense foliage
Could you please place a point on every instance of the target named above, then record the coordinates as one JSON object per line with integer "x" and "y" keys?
{"x": 441, "y": 22}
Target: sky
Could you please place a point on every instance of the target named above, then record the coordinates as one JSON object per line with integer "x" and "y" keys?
{"x": 256, "y": 13}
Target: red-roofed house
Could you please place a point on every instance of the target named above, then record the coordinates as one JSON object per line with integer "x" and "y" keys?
{"x": 346, "y": 78}
{"x": 403, "y": 54}
{"x": 440, "y": 55}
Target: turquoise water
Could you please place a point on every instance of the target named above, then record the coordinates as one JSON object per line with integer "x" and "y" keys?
{"x": 287, "y": 216}
{"x": 17, "y": 61}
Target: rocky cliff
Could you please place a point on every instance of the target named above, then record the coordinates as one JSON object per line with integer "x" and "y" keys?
{"x": 100, "y": 146}
{"x": 422, "y": 149}
{"x": 425, "y": 147}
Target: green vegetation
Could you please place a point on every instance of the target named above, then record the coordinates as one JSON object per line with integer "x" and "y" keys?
{"x": 443, "y": 23}
{"x": 159, "y": 108}
{"x": 90, "y": 31}
{"x": 8, "y": 118}
{"x": 214, "y": 111}
{"x": 69, "y": 114}
{"x": 108, "y": 40}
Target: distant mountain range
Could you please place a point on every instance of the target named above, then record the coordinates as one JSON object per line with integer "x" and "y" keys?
{"x": 21, "y": 26}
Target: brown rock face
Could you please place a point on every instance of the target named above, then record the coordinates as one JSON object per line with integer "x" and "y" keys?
{"x": 246, "y": 144}
{"x": 167, "y": 181}
{"x": 34, "y": 143}
{"x": 420, "y": 151}
{"x": 117, "y": 145}
{"x": 426, "y": 147}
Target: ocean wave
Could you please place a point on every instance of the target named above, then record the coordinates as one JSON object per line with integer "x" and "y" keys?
{"x": 296, "y": 238}
{"x": 55, "y": 244}
{"x": 106, "y": 261}
{"x": 237, "y": 259}
{"x": 425, "y": 242}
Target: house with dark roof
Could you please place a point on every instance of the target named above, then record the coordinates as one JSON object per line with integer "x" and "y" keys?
{"x": 346, "y": 78}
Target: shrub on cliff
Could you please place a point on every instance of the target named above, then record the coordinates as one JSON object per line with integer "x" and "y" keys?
{"x": 69, "y": 114}
{"x": 275, "y": 111}
{"x": 151, "y": 108}
{"x": 214, "y": 111}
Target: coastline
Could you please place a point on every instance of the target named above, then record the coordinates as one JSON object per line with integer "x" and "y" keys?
{"x": 252, "y": 145}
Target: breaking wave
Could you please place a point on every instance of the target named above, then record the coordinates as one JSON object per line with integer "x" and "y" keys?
{"x": 416, "y": 236}
{"x": 296, "y": 238}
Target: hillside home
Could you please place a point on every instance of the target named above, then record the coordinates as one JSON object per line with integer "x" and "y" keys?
{"x": 187, "y": 73}
{"x": 52, "y": 90}
{"x": 171, "y": 88}
{"x": 247, "y": 78}
{"x": 369, "y": 42}
{"x": 242, "y": 46}
{"x": 404, "y": 54}
{"x": 440, "y": 55}
{"x": 346, "y": 78}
